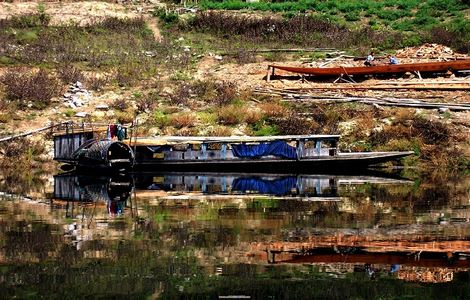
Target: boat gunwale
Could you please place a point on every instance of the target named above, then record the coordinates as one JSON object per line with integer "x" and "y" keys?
{"x": 172, "y": 140}
{"x": 273, "y": 159}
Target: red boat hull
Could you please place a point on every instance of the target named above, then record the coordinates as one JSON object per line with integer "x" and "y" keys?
{"x": 384, "y": 69}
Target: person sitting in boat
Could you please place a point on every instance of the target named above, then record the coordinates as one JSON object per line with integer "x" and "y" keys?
{"x": 369, "y": 59}
{"x": 392, "y": 60}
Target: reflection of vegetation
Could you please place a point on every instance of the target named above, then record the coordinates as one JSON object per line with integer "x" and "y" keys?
{"x": 207, "y": 214}
{"x": 160, "y": 216}
{"x": 145, "y": 275}
{"x": 19, "y": 161}
{"x": 259, "y": 204}
{"x": 172, "y": 249}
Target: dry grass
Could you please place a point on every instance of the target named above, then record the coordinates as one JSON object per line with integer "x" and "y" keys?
{"x": 182, "y": 94}
{"x": 295, "y": 124}
{"x": 231, "y": 114}
{"x": 96, "y": 82}
{"x": 253, "y": 116}
{"x": 183, "y": 120}
{"x": 69, "y": 74}
{"x": 147, "y": 103}
{"x": 431, "y": 132}
{"x": 273, "y": 110}
{"x": 220, "y": 131}
{"x": 125, "y": 117}
{"x": 186, "y": 131}
{"x": 120, "y": 104}
{"x": 226, "y": 92}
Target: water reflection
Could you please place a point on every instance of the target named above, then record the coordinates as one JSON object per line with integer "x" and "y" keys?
{"x": 114, "y": 191}
{"x": 170, "y": 235}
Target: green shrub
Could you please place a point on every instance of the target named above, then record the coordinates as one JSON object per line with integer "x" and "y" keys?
{"x": 166, "y": 17}
{"x": 352, "y": 16}
{"x": 69, "y": 112}
{"x": 28, "y": 21}
{"x": 4, "y": 118}
{"x": 261, "y": 129}
{"x": 27, "y": 36}
{"x": 161, "y": 119}
{"x": 404, "y": 25}
{"x": 5, "y": 60}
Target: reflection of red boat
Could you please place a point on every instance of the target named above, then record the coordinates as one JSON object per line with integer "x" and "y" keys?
{"x": 384, "y": 69}
{"x": 427, "y": 259}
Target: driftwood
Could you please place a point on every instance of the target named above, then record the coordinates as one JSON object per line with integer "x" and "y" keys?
{"x": 288, "y": 95}
{"x": 330, "y": 61}
{"x": 280, "y": 50}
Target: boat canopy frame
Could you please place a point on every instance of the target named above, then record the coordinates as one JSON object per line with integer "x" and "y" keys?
{"x": 169, "y": 144}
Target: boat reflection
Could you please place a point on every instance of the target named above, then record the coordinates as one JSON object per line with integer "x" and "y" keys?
{"x": 118, "y": 189}
{"x": 426, "y": 265}
{"x": 112, "y": 191}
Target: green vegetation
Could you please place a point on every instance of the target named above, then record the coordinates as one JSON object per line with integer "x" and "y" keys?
{"x": 396, "y": 23}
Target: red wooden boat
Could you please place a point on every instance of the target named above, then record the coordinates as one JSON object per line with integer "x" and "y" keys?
{"x": 455, "y": 65}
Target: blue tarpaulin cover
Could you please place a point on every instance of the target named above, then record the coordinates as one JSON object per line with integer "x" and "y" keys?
{"x": 277, "y": 148}
{"x": 281, "y": 186}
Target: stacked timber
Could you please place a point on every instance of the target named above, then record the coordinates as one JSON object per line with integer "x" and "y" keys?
{"x": 302, "y": 95}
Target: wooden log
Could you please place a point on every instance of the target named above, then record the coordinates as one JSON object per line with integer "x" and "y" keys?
{"x": 423, "y": 82}
{"x": 406, "y": 102}
{"x": 392, "y": 87}
{"x": 454, "y": 107}
{"x": 8, "y": 138}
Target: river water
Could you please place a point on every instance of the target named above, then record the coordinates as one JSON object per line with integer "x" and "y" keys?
{"x": 235, "y": 236}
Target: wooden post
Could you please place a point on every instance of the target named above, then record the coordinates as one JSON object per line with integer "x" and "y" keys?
{"x": 204, "y": 151}
{"x": 300, "y": 149}
{"x": 268, "y": 74}
{"x": 224, "y": 151}
{"x": 318, "y": 147}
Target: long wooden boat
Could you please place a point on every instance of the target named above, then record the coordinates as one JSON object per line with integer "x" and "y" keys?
{"x": 281, "y": 154}
{"x": 305, "y": 153}
{"x": 444, "y": 66}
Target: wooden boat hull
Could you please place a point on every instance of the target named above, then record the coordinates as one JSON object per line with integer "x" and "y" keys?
{"x": 383, "y": 69}
{"x": 344, "y": 163}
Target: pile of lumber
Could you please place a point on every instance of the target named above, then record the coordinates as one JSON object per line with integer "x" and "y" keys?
{"x": 445, "y": 85}
{"x": 427, "y": 51}
{"x": 300, "y": 95}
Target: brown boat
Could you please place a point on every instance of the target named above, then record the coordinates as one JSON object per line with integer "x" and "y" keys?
{"x": 455, "y": 65}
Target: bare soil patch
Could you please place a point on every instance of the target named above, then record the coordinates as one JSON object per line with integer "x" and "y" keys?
{"x": 66, "y": 12}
